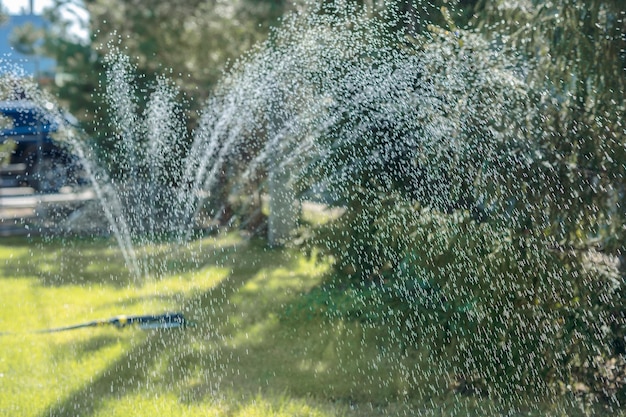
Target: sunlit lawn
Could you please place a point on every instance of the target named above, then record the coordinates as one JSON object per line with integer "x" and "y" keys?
{"x": 250, "y": 354}
{"x": 225, "y": 365}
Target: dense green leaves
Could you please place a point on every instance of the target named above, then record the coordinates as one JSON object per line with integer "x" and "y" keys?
{"x": 577, "y": 54}
{"x": 473, "y": 219}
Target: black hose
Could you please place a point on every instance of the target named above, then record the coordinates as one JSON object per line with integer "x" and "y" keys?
{"x": 146, "y": 322}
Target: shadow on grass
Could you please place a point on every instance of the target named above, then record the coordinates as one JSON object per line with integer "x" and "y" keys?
{"x": 59, "y": 262}
{"x": 126, "y": 374}
{"x": 244, "y": 346}
{"x": 80, "y": 349}
{"x": 193, "y": 362}
{"x": 263, "y": 351}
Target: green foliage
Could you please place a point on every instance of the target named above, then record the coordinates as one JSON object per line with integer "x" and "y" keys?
{"x": 465, "y": 236}
{"x": 498, "y": 313}
{"x": 193, "y": 42}
{"x": 576, "y": 52}
{"x": 455, "y": 143}
{"x": 506, "y": 312}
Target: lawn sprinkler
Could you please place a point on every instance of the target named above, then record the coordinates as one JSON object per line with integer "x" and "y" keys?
{"x": 147, "y": 322}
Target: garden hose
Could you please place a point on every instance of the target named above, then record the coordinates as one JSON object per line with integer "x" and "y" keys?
{"x": 146, "y": 322}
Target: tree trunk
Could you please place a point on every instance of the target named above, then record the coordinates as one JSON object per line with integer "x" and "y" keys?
{"x": 284, "y": 207}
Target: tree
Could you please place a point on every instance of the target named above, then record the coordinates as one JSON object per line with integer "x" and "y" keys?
{"x": 193, "y": 43}
{"x": 461, "y": 212}
{"x": 576, "y": 57}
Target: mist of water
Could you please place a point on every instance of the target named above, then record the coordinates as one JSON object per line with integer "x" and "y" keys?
{"x": 354, "y": 114}
{"x": 305, "y": 102}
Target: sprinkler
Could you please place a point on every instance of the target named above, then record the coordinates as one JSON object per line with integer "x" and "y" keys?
{"x": 145, "y": 322}
{"x": 159, "y": 321}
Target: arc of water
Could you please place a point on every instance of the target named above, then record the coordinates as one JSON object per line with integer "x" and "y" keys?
{"x": 120, "y": 93}
{"x": 205, "y": 152}
{"x": 111, "y": 205}
{"x": 165, "y": 132}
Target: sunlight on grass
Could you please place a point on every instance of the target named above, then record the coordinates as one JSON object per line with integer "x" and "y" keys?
{"x": 168, "y": 405}
{"x": 259, "y": 348}
{"x": 315, "y": 213}
{"x": 104, "y": 371}
{"x": 38, "y": 370}
{"x": 39, "y": 293}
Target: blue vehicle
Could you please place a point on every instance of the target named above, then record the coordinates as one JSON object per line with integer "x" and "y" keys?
{"x": 37, "y": 159}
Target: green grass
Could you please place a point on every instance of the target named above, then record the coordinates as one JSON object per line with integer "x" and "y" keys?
{"x": 256, "y": 350}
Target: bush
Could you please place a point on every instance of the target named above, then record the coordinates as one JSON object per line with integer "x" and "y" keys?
{"x": 499, "y": 314}
{"x": 445, "y": 240}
